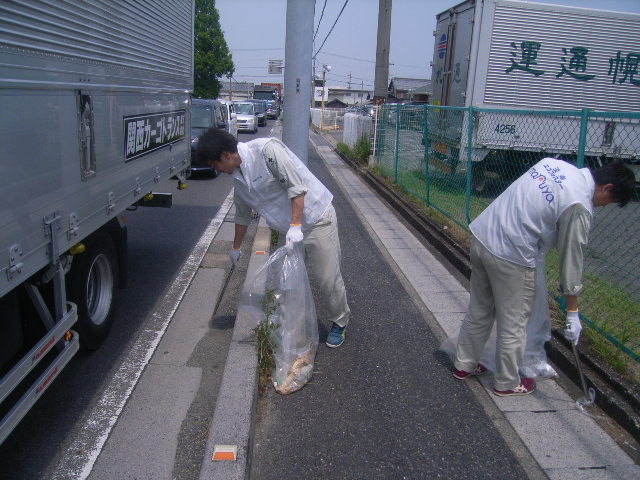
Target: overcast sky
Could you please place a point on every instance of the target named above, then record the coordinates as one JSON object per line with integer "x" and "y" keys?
{"x": 255, "y": 32}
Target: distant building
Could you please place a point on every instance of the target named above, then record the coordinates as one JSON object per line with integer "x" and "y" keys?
{"x": 350, "y": 96}
{"x": 409, "y": 89}
{"x": 236, "y": 91}
{"x": 335, "y": 103}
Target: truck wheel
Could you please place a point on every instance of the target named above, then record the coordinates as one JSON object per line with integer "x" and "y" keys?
{"x": 478, "y": 179}
{"x": 93, "y": 284}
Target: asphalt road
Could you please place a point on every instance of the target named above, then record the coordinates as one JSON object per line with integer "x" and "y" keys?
{"x": 159, "y": 242}
{"x": 384, "y": 405}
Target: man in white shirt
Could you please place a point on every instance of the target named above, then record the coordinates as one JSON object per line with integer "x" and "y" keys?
{"x": 550, "y": 205}
{"x": 271, "y": 180}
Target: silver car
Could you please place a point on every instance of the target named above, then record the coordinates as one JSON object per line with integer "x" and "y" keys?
{"x": 246, "y": 115}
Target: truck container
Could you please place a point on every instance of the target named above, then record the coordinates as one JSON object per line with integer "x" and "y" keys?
{"x": 521, "y": 56}
{"x": 94, "y": 99}
{"x": 277, "y": 86}
{"x": 270, "y": 93}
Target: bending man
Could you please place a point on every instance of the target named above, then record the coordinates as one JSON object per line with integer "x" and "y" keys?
{"x": 550, "y": 205}
{"x": 271, "y": 180}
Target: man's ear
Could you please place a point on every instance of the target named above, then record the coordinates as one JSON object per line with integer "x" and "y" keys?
{"x": 607, "y": 187}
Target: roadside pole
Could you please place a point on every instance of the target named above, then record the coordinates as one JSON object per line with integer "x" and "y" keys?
{"x": 382, "y": 52}
{"x": 297, "y": 76}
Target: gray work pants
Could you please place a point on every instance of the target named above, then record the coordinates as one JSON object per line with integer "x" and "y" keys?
{"x": 503, "y": 292}
{"x": 322, "y": 247}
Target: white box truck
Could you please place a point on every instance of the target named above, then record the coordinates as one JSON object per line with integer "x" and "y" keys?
{"x": 520, "y": 55}
{"x": 94, "y": 99}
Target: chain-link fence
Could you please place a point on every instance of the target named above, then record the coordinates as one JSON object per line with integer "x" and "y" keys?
{"x": 457, "y": 160}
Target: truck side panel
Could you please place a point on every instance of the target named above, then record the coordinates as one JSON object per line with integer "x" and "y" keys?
{"x": 95, "y": 98}
{"x": 547, "y": 56}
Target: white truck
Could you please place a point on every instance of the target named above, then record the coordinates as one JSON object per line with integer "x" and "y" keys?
{"x": 519, "y": 55}
{"x": 94, "y": 99}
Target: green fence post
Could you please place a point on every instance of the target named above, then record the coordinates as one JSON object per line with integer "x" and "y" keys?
{"x": 397, "y": 141}
{"x": 425, "y": 133}
{"x": 582, "y": 146}
{"x": 469, "y": 164}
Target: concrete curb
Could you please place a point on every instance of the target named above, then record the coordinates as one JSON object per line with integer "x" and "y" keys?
{"x": 233, "y": 418}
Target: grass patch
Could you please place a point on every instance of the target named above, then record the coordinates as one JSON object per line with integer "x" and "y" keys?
{"x": 359, "y": 153}
{"x": 610, "y": 309}
{"x": 458, "y": 233}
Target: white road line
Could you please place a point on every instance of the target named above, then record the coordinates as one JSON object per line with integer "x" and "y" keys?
{"x": 82, "y": 454}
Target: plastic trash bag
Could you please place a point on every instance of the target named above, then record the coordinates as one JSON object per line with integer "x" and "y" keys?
{"x": 534, "y": 364}
{"x": 293, "y": 313}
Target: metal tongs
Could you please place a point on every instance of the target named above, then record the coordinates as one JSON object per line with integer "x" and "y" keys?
{"x": 589, "y": 393}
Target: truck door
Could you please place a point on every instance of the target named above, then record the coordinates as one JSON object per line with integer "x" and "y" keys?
{"x": 451, "y": 56}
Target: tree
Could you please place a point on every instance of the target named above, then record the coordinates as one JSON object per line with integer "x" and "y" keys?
{"x": 211, "y": 55}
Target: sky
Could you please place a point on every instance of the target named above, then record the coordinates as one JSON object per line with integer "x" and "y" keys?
{"x": 255, "y": 33}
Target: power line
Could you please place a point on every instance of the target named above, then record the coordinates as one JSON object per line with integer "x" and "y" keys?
{"x": 319, "y": 21}
{"x": 255, "y": 49}
{"x": 372, "y": 61}
{"x": 334, "y": 24}
{"x": 262, "y": 76}
{"x": 365, "y": 81}
{"x": 349, "y": 58}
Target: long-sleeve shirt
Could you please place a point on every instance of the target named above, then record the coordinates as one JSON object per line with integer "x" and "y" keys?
{"x": 573, "y": 234}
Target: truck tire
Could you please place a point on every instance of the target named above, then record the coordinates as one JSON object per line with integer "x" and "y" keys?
{"x": 93, "y": 282}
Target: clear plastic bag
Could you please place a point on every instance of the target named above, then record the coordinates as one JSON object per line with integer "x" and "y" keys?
{"x": 534, "y": 364}
{"x": 283, "y": 281}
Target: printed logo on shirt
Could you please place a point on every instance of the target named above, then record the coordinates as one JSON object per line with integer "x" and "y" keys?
{"x": 553, "y": 173}
{"x": 543, "y": 185}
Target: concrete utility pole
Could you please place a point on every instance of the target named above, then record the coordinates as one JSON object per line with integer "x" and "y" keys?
{"x": 297, "y": 76}
{"x": 382, "y": 52}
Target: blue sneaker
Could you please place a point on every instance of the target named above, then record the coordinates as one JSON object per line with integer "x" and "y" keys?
{"x": 336, "y": 336}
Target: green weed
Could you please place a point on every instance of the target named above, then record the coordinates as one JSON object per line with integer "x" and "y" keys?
{"x": 264, "y": 333}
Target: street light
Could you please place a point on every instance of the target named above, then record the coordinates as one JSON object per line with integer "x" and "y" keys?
{"x": 325, "y": 68}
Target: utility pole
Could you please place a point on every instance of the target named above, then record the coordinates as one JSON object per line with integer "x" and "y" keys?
{"x": 382, "y": 52}
{"x": 297, "y": 76}
{"x": 349, "y": 81}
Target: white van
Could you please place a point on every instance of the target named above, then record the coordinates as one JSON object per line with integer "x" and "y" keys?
{"x": 232, "y": 121}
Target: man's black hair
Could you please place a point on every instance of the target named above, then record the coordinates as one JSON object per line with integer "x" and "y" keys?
{"x": 213, "y": 142}
{"x": 622, "y": 179}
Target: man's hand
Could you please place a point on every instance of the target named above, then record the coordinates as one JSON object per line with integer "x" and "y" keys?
{"x": 574, "y": 327}
{"x": 235, "y": 254}
{"x": 294, "y": 235}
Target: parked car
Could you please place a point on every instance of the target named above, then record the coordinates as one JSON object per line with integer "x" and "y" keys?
{"x": 231, "y": 118}
{"x": 246, "y": 114}
{"x": 261, "y": 111}
{"x": 365, "y": 109}
{"x": 273, "y": 110}
{"x": 205, "y": 113}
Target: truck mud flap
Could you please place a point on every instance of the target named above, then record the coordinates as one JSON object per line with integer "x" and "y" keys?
{"x": 35, "y": 355}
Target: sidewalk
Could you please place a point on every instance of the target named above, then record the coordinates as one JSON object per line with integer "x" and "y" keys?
{"x": 384, "y": 405}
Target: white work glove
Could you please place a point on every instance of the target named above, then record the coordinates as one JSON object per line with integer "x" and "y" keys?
{"x": 294, "y": 235}
{"x": 574, "y": 327}
{"x": 235, "y": 254}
